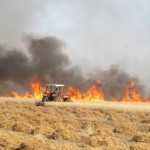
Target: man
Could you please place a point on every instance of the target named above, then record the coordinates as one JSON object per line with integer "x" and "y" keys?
{"x": 56, "y": 91}
{"x": 55, "y": 94}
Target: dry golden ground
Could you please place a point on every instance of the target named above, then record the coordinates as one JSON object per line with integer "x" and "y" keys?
{"x": 24, "y": 126}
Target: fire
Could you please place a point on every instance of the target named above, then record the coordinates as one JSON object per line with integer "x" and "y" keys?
{"x": 132, "y": 94}
{"x": 93, "y": 93}
{"x": 37, "y": 91}
{"x": 26, "y": 95}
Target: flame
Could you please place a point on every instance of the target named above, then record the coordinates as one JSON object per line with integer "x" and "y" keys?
{"x": 93, "y": 93}
{"x": 26, "y": 95}
{"x": 37, "y": 91}
{"x": 132, "y": 94}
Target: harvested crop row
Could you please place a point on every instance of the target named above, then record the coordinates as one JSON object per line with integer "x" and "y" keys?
{"x": 28, "y": 127}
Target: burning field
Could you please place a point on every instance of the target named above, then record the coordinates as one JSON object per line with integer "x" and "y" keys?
{"x": 23, "y": 75}
{"x": 101, "y": 115}
{"x": 74, "y": 75}
{"x": 94, "y": 93}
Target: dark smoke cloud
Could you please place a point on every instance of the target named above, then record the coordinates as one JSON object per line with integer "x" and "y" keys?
{"x": 115, "y": 81}
{"x": 48, "y": 63}
{"x": 94, "y": 32}
{"x": 13, "y": 65}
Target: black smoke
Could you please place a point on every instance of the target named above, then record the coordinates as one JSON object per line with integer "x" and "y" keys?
{"x": 46, "y": 61}
{"x": 115, "y": 81}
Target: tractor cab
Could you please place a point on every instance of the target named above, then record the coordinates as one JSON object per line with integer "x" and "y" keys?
{"x": 53, "y": 88}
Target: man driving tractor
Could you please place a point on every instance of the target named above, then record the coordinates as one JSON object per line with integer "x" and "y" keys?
{"x": 53, "y": 93}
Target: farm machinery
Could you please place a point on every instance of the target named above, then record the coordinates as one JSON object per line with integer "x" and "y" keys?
{"x": 53, "y": 93}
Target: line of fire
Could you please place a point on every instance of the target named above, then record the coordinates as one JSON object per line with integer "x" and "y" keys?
{"x": 93, "y": 93}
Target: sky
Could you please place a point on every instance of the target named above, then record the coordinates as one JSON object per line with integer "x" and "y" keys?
{"x": 97, "y": 33}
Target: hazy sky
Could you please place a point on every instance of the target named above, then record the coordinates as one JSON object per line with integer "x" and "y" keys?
{"x": 97, "y": 33}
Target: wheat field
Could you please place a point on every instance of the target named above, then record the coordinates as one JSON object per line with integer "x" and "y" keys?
{"x": 76, "y": 125}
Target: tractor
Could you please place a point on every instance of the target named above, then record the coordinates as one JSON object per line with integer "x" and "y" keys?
{"x": 53, "y": 93}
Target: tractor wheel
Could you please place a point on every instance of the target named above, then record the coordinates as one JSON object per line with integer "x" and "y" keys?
{"x": 44, "y": 99}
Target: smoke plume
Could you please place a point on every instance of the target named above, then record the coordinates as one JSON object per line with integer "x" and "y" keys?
{"x": 115, "y": 80}
{"x": 48, "y": 63}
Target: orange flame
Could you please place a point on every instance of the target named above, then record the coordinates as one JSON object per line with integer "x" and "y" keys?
{"x": 93, "y": 93}
{"x": 37, "y": 91}
{"x": 132, "y": 94}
